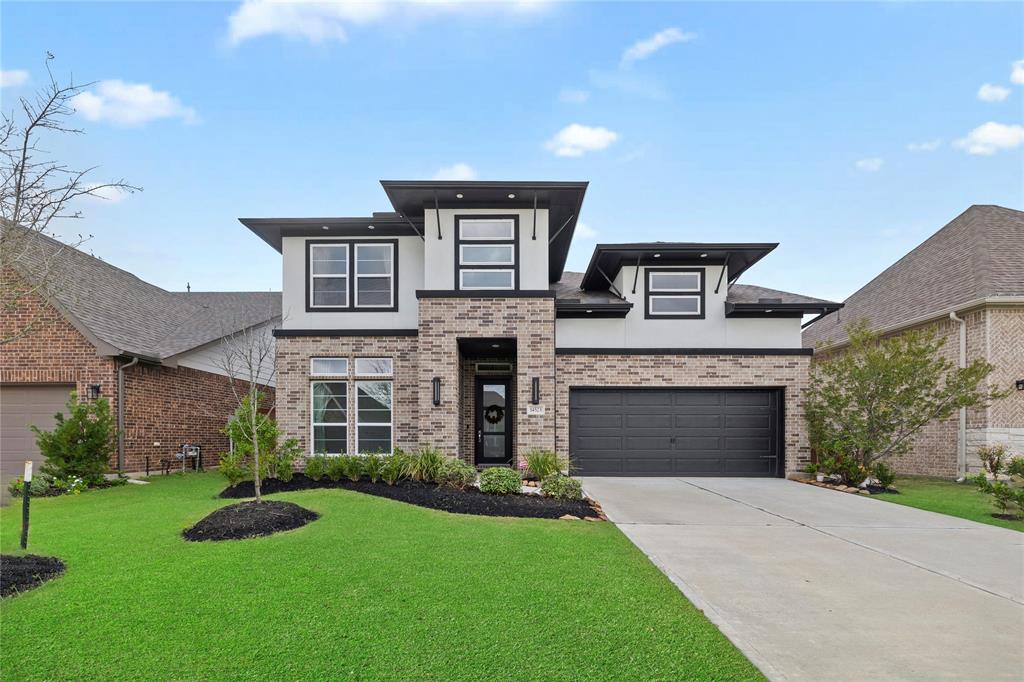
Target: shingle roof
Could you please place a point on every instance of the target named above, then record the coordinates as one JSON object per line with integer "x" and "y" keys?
{"x": 568, "y": 289}
{"x": 977, "y": 255}
{"x": 139, "y": 318}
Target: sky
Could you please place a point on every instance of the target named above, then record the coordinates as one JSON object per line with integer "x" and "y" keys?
{"x": 847, "y": 132}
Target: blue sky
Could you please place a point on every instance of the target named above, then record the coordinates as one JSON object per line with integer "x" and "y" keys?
{"x": 846, "y": 132}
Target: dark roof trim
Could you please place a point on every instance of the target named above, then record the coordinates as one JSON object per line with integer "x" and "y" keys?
{"x": 612, "y": 257}
{"x": 768, "y": 309}
{"x": 273, "y": 230}
{"x": 485, "y": 293}
{"x": 684, "y": 351}
{"x": 293, "y": 333}
{"x": 573, "y": 309}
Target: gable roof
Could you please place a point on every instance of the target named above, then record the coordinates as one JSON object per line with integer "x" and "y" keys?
{"x": 130, "y": 316}
{"x": 978, "y": 255}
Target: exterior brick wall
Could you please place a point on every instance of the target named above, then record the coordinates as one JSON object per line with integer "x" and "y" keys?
{"x": 789, "y": 372}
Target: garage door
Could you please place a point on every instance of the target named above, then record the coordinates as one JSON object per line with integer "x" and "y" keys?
{"x": 20, "y": 407}
{"x": 675, "y": 432}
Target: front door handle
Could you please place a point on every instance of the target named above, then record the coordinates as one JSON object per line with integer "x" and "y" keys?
{"x": 479, "y": 435}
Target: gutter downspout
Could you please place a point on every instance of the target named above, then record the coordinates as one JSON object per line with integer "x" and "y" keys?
{"x": 961, "y": 445}
{"x": 120, "y": 412}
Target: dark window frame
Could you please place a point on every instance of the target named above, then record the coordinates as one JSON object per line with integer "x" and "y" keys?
{"x": 676, "y": 316}
{"x": 459, "y": 241}
{"x": 351, "y": 307}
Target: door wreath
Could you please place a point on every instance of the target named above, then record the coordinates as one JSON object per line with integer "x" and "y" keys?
{"x": 494, "y": 414}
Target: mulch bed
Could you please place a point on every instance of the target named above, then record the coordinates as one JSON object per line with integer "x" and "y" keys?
{"x": 20, "y": 573}
{"x": 250, "y": 520}
{"x": 470, "y": 501}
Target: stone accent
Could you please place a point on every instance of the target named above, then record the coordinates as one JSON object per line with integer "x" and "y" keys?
{"x": 788, "y": 372}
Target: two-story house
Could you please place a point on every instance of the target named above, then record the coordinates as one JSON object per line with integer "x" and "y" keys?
{"x": 451, "y": 321}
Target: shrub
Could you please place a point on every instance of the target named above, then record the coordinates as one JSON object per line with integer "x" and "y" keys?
{"x": 316, "y": 467}
{"x": 847, "y": 468}
{"x": 426, "y": 464}
{"x": 562, "y": 487}
{"x": 1016, "y": 467}
{"x": 811, "y": 468}
{"x": 1004, "y": 497}
{"x": 351, "y": 466}
{"x": 500, "y": 481}
{"x": 543, "y": 463}
{"x": 276, "y": 458}
{"x": 993, "y": 458}
{"x": 233, "y": 466}
{"x": 885, "y": 474}
{"x": 80, "y": 444}
{"x": 72, "y": 486}
{"x": 457, "y": 474}
{"x": 39, "y": 486}
{"x": 283, "y": 459}
{"x": 373, "y": 465}
{"x": 395, "y": 467}
{"x": 335, "y": 468}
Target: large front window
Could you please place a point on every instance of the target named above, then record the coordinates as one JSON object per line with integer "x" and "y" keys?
{"x": 369, "y": 380}
{"x": 486, "y": 253}
{"x": 674, "y": 293}
{"x": 352, "y": 275}
{"x": 373, "y": 416}
{"x": 330, "y": 417}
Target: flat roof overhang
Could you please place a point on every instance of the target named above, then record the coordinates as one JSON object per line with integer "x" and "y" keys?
{"x": 563, "y": 200}
{"x": 609, "y": 258}
{"x": 579, "y": 310}
{"x": 769, "y": 309}
{"x": 273, "y": 230}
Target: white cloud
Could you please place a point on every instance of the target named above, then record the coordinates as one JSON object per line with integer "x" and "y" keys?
{"x": 320, "y": 22}
{"x": 130, "y": 104}
{"x": 573, "y": 96}
{"x": 577, "y": 140}
{"x": 584, "y": 231}
{"x": 13, "y": 78}
{"x": 1017, "y": 72}
{"x": 457, "y": 171}
{"x": 993, "y": 93}
{"x": 642, "y": 49}
{"x": 926, "y": 146}
{"x": 870, "y": 165}
{"x": 111, "y": 195}
{"x": 991, "y": 137}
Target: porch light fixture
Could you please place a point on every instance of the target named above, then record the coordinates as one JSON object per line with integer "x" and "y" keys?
{"x": 436, "y": 384}
{"x": 535, "y": 391}
{"x": 325, "y": 227}
{"x": 703, "y": 255}
{"x": 459, "y": 195}
{"x": 657, "y": 255}
{"x": 590, "y": 311}
{"x": 511, "y": 196}
{"x": 495, "y": 345}
{"x": 1020, "y": 384}
{"x": 93, "y": 391}
{"x": 369, "y": 227}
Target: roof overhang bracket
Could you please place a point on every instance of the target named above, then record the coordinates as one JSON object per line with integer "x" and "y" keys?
{"x": 614, "y": 288}
{"x": 413, "y": 226}
{"x": 721, "y": 274}
{"x": 535, "y": 216}
{"x": 637, "y": 273}
{"x": 437, "y": 213}
{"x": 559, "y": 230}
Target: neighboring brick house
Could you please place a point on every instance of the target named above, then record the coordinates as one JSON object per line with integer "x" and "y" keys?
{"x": 965, "y": 282}
{"x": 96, "y": 322}
{"x": 451, "y": 321}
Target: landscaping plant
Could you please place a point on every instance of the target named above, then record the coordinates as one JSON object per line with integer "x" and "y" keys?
{"x": 335, "y": 468}
{"x": 1008, "y": 499}
{"x": 80, "y": 444}
{"x": 1016, "y": 467}
{"x": 232, "y": 466}
{"x": 868, "y": 401}
{"x": 373, "y": 465}
{"x": 265, "y": 456}
{"x": 562, "y": 487}
{"x": 39, "y": 486}
{"x": 316, "y": 467}
{"x": 849, "y": 470}
{"x": 500, "y": 481}
{"x": 395, "y": 467}
{"x": 457, "y": 474}
{"x": 351, "y": 466}
{"x": 885, "y": 474}
{"x": 426, "y": 464}
{"x": 993, "y": 458}
{"x": 543, "y": 463}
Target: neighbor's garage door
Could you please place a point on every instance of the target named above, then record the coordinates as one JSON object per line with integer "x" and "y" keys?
{"x": 21, "y": 407}
{"x": 674, "y": 432}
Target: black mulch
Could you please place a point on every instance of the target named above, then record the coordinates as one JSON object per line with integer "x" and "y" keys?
{"x": 429, "y": 495}
{"x": 249, "y": 520}
{"x": 20, "y": 573}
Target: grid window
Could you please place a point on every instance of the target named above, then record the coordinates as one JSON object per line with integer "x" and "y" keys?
{"x": 329, "y": 417}
{"x": 373, "y": 416}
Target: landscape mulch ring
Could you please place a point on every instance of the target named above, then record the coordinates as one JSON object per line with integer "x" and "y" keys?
{"x": 432, "y": 496}
{"x": 20, "y": 573}
{"x": 250, "y": 520}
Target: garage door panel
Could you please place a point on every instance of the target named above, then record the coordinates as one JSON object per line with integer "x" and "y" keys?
{"x": 698, "y": 421}
{"x": 648, "y": 443}
{"x": 587, "y": 443}
{"x": 649, "y": 421}
{"x": 696, "y": 398}
{"x": 596, "y": 398}
{"x": 748, "y": 398}
{"x": 596, "y": 421}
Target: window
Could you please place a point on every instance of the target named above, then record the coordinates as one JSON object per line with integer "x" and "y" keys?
{"x": 373, "y": 417}
{"x": 674, "y": 293}
{"x": 330, "y": 417}
{"x": 379, "y": 367}
{"x": 328, "y": 273}
{"x": 486, "y": 251}
{"x": 374, "y": 280}
{"x": 330, "y": 367}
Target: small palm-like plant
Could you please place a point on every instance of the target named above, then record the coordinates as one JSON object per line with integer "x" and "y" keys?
{"x": 427, "y": 464}
{"x": 373, "y": 465}
{"x": 351, "y": 466}
{"x": 544, "y": 463}
{"x": 394, "y": 467}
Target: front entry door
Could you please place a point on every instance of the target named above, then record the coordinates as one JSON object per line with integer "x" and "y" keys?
{"x": 493, "y": 420}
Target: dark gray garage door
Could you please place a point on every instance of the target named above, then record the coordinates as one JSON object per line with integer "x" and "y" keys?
{"x": 674, "y": 432}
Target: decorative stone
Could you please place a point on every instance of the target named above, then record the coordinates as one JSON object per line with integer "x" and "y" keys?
{"x": 591, "y": 518}
{"x": 568, "y": 517}
{"x": 865, "y": 492}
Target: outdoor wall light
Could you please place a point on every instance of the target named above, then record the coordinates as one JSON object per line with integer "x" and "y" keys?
{"x": 1020, "y": 384}
{"x": 535, "y": 391}
{"x": 93, "y": 391}
{"x": 436, "y": 384}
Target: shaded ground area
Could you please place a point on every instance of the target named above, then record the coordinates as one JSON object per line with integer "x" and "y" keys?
{"x": 20, "y": 573}
{"x": 429, "y": 495}
{"x": 250, "y": 520}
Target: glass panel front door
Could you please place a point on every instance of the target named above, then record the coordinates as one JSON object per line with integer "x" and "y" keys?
{"x": 493, "y": 421}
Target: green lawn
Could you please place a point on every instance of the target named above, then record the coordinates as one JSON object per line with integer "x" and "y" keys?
{"x": 374, "y": 589}
{"x": 947, "y": 497}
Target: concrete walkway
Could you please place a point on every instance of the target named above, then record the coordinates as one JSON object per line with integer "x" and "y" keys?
{"x": 814, "y": 584}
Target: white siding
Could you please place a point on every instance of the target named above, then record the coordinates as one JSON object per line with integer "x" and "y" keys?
{"x": 210, "y": 357}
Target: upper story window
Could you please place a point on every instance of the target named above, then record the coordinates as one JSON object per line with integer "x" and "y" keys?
{"x": 352, "y": 276}
{"x": 486, "y": 252}
{"x": 674, "y": 293}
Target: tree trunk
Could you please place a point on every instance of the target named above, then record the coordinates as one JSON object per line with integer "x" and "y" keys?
{"x": 256, "y": 451}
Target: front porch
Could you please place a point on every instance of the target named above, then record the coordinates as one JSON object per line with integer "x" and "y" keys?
{"x": 487, "y": 401}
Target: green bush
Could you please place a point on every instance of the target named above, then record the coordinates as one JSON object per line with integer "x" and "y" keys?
{"x": 847, "y": 468}
{"x": 1016, "y": 467}
{"x": 426, "y": 464}
{"x": 562, "y": 487}
{"x": 885, "y": 474}
{"x": 351, "y": 466}
{"x": 335, "y": 467}
{"x": 457, "y": 474}
{"x": 283, "y": 459}
{"x": 543, "y": 463}
{"x": 39, "y": 486}
{"x": 500, "y": 481}
{"x": 73, "y": 485}
{"x": 394, "y": 467}
{"x": 276, "y": 458}
{"x": 79, "y": 445}
{"x": 1004, "y": 496}
{"x": 993, "y": 457}
{"x": 233, "y": 467}
{"x": 316, "y": 467}
{"x": 373, "y": 465}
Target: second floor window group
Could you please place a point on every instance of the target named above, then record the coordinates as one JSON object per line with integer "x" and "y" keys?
{"x": 356, "y": 275}
{"x": 486, "y": 253}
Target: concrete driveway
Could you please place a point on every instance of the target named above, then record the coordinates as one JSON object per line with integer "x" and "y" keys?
{"x": 815, "y": 584}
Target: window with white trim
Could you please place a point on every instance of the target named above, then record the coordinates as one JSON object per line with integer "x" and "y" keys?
{"x": 328, "y": 367}
{"x": 674, "y": 293}
{"x": 374, "y": 285}
{"x": 328, "y": 275}
{"x": 329, "y": 417}
{"x": 373, "y": 417}
{"x": 486, "y": 252}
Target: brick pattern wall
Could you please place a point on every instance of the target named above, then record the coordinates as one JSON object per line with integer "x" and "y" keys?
{"x": 443, "y": 321}
{"x": 1006, "y": 352}
{"x": 789, "y": 372}
{"x": 293, "y": 382}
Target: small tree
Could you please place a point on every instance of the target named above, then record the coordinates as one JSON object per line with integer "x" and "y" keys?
{"x": 80, "y": 444}
{"x": 870, "y": 400}
{"x": 275, "y": 456}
